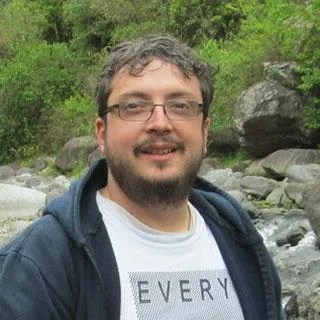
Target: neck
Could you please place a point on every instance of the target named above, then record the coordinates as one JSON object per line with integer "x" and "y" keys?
{"x": 160, "y": 217}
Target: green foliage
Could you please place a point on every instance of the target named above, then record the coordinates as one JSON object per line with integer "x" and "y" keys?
{"x": 263, "y": 204}
{"x": 97, "y": 24}
{"x": 198, "y": 20}
{"x": 312, "y": 113}
{"x": 49, "y": 51}
{"x": 76, "y": 114}
{"x": 232, "y": 160}
{"x": 309, "y": 62}
{"x": 55, "y": 28}
{"x": 90, "y": 30}
{"x": 267, "y": 34}
{"x": 137, "y": 30}
{"x": 78, "y": 170}
{"x": 35, "y": 80}
{"x": 20, "y": 21}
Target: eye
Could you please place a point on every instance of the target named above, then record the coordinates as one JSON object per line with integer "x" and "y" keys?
{"x": 131, "y": 105}
{"x": 179, "y": 105}
{"x": 133, "y": 108}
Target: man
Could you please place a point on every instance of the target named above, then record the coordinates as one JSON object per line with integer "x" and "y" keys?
{"x": 142, "y": 237}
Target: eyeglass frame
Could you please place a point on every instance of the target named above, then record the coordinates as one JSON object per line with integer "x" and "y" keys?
{"x": 154, "y": 105}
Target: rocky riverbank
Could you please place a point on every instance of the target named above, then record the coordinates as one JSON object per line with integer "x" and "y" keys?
{"x": 281, "y": 193}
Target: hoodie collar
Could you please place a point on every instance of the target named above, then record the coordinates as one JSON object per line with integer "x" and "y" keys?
{"x": 78, "y": 213}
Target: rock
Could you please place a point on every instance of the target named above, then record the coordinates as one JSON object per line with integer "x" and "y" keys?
{"x": 293, "y": 233}
{"x": 255, "y": 168}
{"x": 224, "y": 178}
{"x": 299, "y": 272}
{"x": 205, "y": 168}
{"x": 54, "y": 193}
{"x": 209, "y": 164}
{"x": 39, "y": 164}
{"x": 311, "y": 203}
{"x": 295, "y": 191}
{"x": 296, "y": 230}
{"x": 283, "y": 72}
{"x": 33, "y": 182}
{"x": 74, "y": 151}
{"x": 62, "y": 182}
{"x": 276, "y": 164}
{"x": 268, "y": 117}
{"x": 304, "y": 173}
{"x": 94, "y": 156}
{"x": 19, "y": 202}
{"x": 258, "y": 186}
{"x": 24, "y": 170}
{"x": 224, "y": 140}
{"x": 9, "y": 227}
{"x": 6, "y": 172}
{"x": 23, "y": 178}
{"x": 278, "y": 197}
{"x": 249, "y": 206}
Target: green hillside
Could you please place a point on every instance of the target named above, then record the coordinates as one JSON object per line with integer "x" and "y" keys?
{"x": 52, "y": 51}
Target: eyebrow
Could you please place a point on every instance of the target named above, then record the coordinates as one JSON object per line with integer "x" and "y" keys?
{"x": 146, "y": 96}
{"x": 181, "y": 94}
{"x": 135, "y": 94}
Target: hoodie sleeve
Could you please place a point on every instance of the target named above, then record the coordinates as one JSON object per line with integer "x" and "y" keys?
{"x": 25, "y": 293}
{"x": 37, "y": 274}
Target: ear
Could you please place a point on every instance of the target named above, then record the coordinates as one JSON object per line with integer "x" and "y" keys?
{"x": 205, "y": 131}
{"x": 101, "y": 134}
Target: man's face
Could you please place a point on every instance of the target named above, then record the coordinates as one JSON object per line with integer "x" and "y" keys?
{"x": 158, "y": 159}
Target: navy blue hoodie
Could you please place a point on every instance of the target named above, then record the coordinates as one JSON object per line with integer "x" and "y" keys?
{"x": 63, "y": 266}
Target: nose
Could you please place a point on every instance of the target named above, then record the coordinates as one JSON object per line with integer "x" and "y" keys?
{"x": 159, "y": 120}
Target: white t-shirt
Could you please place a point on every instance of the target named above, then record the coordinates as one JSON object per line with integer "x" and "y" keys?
{"x": 169, "y": 276}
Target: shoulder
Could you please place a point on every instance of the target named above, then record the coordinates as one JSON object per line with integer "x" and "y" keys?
{"x": 217, "y": 205}
{"x": 37, "y": 271}
{"x": 43, "y": 245}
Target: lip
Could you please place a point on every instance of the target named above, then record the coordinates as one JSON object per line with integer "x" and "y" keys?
{"x": 158, "y": 151}
{"x": 159, "y": 157}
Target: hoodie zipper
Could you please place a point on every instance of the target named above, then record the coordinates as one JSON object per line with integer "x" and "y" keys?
{"x": 92, "y": 260}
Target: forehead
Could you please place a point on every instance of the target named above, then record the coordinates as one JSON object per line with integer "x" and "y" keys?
{"x": 158, "y": 77}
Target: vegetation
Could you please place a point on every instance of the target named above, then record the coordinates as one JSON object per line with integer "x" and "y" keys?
{"x": 51, "y": 52}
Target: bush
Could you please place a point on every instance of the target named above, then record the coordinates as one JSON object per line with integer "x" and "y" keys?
{"x": 72, "y": 118}
{"x": 309, "y": 62}
{"x": 20, "y": 21}
{"x": 267, "y": 34}
{"x": 197, "y": 20}
{"x": 35, "y": 80}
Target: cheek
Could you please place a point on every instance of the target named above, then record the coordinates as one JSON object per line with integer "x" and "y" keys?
{"x": 195, "y": 136}
{"x": 120, "y": 139}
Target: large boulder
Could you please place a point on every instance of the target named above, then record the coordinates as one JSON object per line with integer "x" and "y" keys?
{"x": 17, "y": 202}
{"x": 304, "y": 173}
{"x": 299, "y": 272}
{"x": 6, "y": 172}
{"x": 74, "y": 151}
{"x": 311, "y": 203}
{"x": 268, "y": 117}
{"x": 224, "y": 140}
{"x": 277, "y": 163}
{"x": 283, "y": 72}
{"x": 258, "y": 186}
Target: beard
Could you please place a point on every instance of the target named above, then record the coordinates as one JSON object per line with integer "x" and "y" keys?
{"x": 153, "y": 192}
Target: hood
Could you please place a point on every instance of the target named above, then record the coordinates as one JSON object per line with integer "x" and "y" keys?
{"x": 77, "y": 211}
{"x": 217, "y": 205}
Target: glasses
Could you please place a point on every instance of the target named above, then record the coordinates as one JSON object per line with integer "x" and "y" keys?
{"x": 182, "y": 110}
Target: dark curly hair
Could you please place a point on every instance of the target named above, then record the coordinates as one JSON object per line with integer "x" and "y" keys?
{"x": 136, "y": 55}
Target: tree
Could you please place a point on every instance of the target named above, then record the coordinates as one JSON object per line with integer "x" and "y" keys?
{"x": 33, "y": 82}
{"x": 197, "y": 20}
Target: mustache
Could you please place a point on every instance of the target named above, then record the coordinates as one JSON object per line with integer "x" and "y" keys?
{"x": 149, "y": 142}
